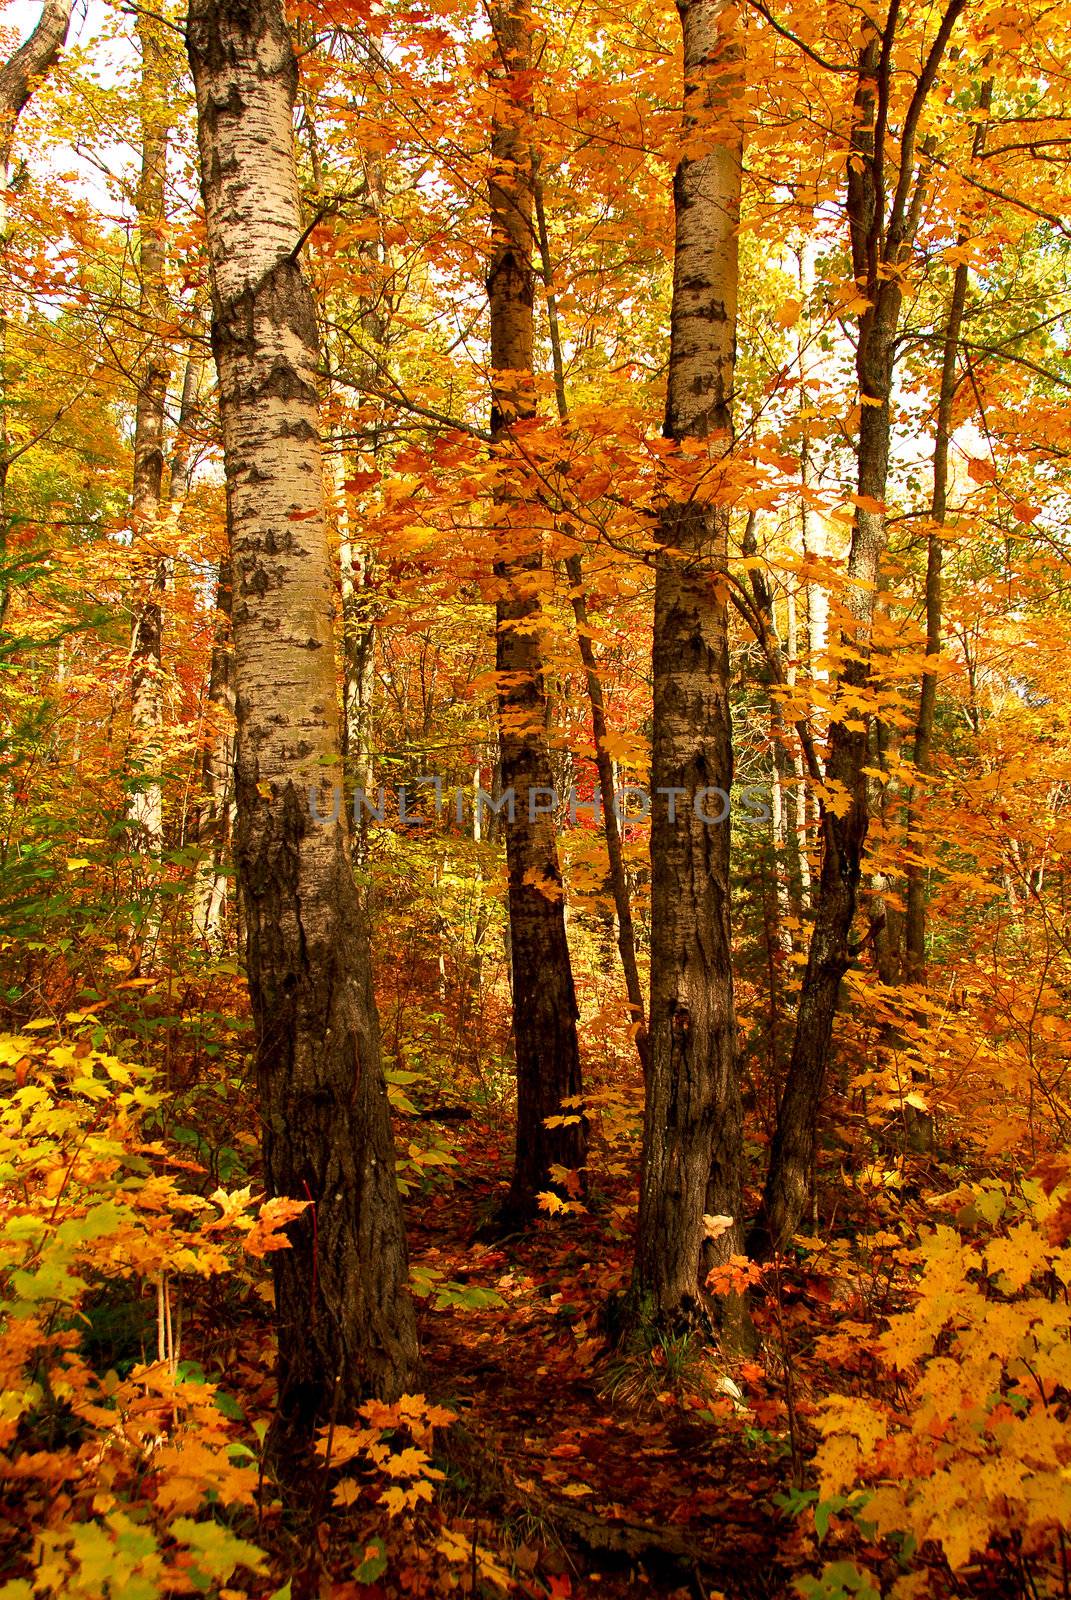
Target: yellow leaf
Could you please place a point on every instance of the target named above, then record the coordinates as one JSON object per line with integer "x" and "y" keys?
{"x": 1019, "y": 1256}
{"x": 408, "y": 1463}
{"x": 394, "y": 1500}
{"x": 266, "y": 1234}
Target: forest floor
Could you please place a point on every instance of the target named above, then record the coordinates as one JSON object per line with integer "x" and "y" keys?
{"x": 551, "y": 1462}
{"x": 615, "y": 1477}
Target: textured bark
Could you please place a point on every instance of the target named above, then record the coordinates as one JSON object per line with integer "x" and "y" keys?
{"x": 544, "y": 999}
{"x": 626, "y": 932}
{"x": 345, "y": 1319}
{"x": 880, "y": 246}
{"x": 19, "y": 76}
{"x": 693, "y": 1121}
{"x": 146, "y": 811}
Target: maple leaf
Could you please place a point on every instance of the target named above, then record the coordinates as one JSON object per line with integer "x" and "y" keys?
{"x": 273, "y": 1216}
{"x": 408, "y": 1463}
{"x": 396, "y": 1499}
{"x": 232, "y": 1209}
{"x": 346, "y": 1493}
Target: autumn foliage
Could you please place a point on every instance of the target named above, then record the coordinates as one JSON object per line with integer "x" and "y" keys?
{"x": 863, "y": 1387}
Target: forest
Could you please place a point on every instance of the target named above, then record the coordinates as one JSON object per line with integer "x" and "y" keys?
{"x": 535, "y": 799}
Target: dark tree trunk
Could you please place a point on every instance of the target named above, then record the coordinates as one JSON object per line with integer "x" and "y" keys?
{"x": 879, "y": 247}
{"x": 544, "y": 999}
{"x": 626, "y": 932}
{"x": 915, "y": 913}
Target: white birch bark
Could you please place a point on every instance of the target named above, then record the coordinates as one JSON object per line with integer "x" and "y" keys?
{"x": 345, "y": 1319}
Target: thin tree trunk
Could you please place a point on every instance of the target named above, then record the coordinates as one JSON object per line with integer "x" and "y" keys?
{"x": 359, "y": 613}
{"x": 146, "y": 810}
{"x": 181, "y": 466}
{"x": 783, "y": 876}
{"x": 574, "y": 567}
{"x": 344, "y": 1316}
{"x": 19, "y": 76}
{"x": 544, "y": 999}
{"x": 799, "y": 770}
{"x": 693, "y": 1120}
{"x": 879, "y": 246}
{"x": 359, "y": 606}
{"x": 811, "y": 529}
{"x": 922, "y": 753}
{"x": 215, "y": 818}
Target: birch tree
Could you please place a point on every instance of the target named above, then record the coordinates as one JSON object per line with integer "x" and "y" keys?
{"x": 152, "y": 375}
{"x": 344, "y": 1315}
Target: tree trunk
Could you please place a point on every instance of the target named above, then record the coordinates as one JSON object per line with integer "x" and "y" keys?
{"x": 800, "y": 834}
{"x": 214, "y": 820}
{"x": 693, "y": 1122}
{"x": 215, "y": 817}
{"x": 344, "y": 1315}
{"x": 360, "y": 610}
{"x": 544, "y": 999}
{"x": 879, "y": 247}
{"x": 922, "y": 754}
{"x": 626, "y": 932}
{"x": 19, "y": 76}
{"x": 146, "y": 810}
{"x": 811, "y": 528}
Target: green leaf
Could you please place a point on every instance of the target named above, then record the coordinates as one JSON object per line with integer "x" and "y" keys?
{"x": 229, "y": 1406}
{"x": 374, "y": 1564}
{"x": 467, "y": 1297}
